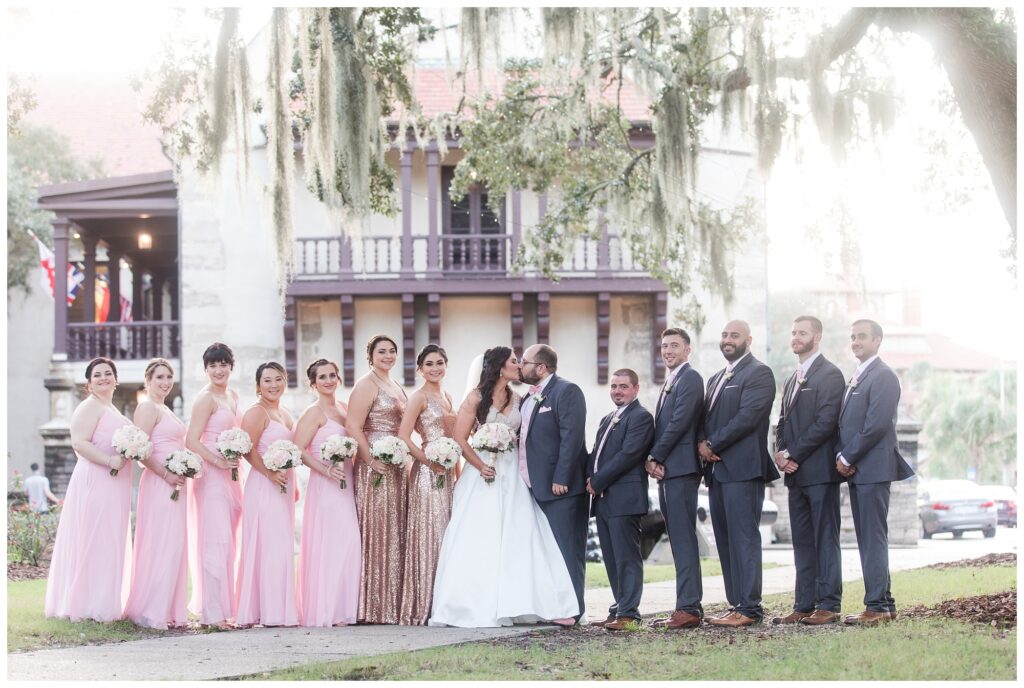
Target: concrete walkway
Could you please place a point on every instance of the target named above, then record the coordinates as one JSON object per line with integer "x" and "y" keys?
{"x": 224, "y": 655}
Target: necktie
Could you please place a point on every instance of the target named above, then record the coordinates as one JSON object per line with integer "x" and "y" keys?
{"x": 795, "y": 388}
{"x": 719, "y": 386}
{"x": 608, "y": 431}
{"x": 661, "y": 397}
{"x": 523, "y": 471}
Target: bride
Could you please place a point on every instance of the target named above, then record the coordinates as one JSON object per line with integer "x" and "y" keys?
{"x": 499, "y": 562}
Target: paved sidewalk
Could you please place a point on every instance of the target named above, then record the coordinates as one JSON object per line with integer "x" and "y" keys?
{"x": 228, "y": 654}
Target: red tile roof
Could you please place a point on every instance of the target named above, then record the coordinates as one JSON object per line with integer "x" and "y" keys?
{"x": 903, "y": 348}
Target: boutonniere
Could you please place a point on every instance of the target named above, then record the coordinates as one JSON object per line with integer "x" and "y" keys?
{"x": 800, "y": 382}
{"x": 853, "y": 381}
{"x": 728, "y": 376}
{"x": 668, "y": 390}
{"x": 615, "y": 420}
{"x": 539, "y": 398}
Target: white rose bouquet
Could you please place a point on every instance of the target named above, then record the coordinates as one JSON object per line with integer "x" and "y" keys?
{"x": 337, "y": 449}
{"x": 444, "y": 452}
{"x": 492, "y": 439}
{"x": 282, "y": 455}
{"x": 390, "y": 450}
{"x": 186, "y": 463}
{"x": 234, "y": 443}
{"x": 131, "y": 443}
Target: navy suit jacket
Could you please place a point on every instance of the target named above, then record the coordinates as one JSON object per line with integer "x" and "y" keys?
{"x": 556, "y": 450}
{"x": 807, "y": 426}
{"x": 620, "y": 480}
{"x": 677, "y": 424}
{"x": 737, "y": 425}
{"x": 867, "y": 427}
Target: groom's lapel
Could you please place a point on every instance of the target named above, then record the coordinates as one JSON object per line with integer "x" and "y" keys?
{"x": 545, "y": 393}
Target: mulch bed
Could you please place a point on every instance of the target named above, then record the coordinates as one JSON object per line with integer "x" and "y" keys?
{"x": 998, "y": 610}
{"x": 1001, "y": 559}
{"x": 22, "y": 572}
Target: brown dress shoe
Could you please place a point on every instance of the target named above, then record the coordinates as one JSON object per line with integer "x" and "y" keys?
{"x": 620, "y": 623}
{"x": 604, "y": 622}
{"x": 733, "y": 620}
{"x": 819, "y": 617}
{"x": 791, "y": 618}
{"x": 868, "y": 617}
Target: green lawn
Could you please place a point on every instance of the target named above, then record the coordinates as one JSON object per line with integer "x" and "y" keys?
{"x": 934, "y": 649}
{"x": 597, "y": 576}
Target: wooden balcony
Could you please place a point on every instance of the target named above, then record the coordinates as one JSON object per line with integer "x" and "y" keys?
{"x": 123, "y": 340}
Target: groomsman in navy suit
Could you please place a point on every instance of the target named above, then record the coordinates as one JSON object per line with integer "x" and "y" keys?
{"x": 868, "y": 457}
{"x": 674, "y": 462}
{"x": 805, "y": 453}
{"x": 617, "y": 482}
{"x": 734, "y": 443}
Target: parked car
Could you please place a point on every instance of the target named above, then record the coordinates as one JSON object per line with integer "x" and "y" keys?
{"x": 955, "y": 506}
{"x": 1005, "y": 498}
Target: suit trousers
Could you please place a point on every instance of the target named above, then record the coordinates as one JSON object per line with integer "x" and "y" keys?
{"x": 814, "y": 518}
{"x": 678, "y": 498}
{"x": 735, "y": 517}
{"x": 620, "y": 549}
{"x": 568, "y": 517}
{"x": 870, "y": 505}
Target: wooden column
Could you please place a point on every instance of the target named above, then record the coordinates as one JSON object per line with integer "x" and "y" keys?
{"x": 604, "y": 308}
{"x": 660, "y": 323}
{"x": 408, "y": 339}
{"x": 175, "y": 295}
{"x": 517, "y": 226}
{"x": 348, "y": 345}
{"x": 159, "y": 279}
{"x": 406, "y": 168}
{"x": 543, "y": 317}
{"x": 114, "y": 275}
{"x": 291, "y": 363}
{"x": 604, "y": 266}
{"x": 517, "y": 322}
{"x": 137, "y": 314}
{"x": 88, "y": 293}
{"x": 433, "y": 206}
{"x": 60, "y": 287}
{"x": 434, "y": 318}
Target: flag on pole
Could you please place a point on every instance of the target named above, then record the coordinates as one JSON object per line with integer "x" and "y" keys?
{"x": 47, "y": 262}
{"x": 126, "y": 309}
{"x": 102, "y": 301}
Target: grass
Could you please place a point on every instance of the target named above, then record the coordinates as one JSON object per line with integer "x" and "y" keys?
{"x": 933, "y": 649}
{"x": 29, "y": 629}
{"x": 597, "y": 576}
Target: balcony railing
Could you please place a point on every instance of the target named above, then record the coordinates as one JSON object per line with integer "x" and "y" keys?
{"x": 123, "y": 341}
{"x": 449, "y": 255}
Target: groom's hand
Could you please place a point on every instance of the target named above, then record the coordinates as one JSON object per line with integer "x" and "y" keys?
{"x": 590, "y": 488}
{"x": 559, "y": 489}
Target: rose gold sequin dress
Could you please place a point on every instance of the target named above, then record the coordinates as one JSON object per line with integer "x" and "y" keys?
{"x": 430, "y": 507}
{"x": 381, "y": 513}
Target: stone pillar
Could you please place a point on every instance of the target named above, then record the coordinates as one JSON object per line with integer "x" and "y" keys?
{"x": 114, "y": 275}
{"x": 406, "y": 180}
{"x": 433, "y": 203}
{"x": 58, "y": 457}
{"x": 89, "y": 286}
{"x": 137, "y": 312}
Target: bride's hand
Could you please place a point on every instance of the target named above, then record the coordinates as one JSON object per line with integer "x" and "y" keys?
{"x": 486, "y": 472}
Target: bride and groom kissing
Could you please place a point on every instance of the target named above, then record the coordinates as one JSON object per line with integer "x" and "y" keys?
{"x": 514, "y": 550}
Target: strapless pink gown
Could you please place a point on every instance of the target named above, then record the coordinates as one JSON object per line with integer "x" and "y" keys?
{"x": 160, "y": 566}
{"x": 330, "y": 559}
{"x": 215, "y": 512}
{"x": 90, "y": 571}
{"x": 266, "y": 565}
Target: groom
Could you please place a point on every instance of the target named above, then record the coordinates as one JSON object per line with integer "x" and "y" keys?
{"x": 553, "y": 455}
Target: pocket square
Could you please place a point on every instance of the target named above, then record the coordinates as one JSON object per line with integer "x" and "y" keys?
{"x": 544, "y": 409}
{"x": 731, "y": 386}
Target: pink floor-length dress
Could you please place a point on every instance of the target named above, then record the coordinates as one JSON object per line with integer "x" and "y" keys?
{"x": 160, "y": 566}
{"x": 90, "y": 571}
{"x": 215, "y": 513}
{"x": 266, "y": 565}
{"x": 330, "y": 559}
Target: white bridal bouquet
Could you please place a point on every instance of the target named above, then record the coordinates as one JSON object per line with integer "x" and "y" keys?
{"x": 131, "y": 443}
{"x": 444, "y": 452}
{"x": 390, "y": 450}
{"x": 183, "y": 462}
{"x": 338, "y": 449}
{"x": 233, "y": 443}
{"x": 282, "y": 455}
{"x": 492, "y": 439}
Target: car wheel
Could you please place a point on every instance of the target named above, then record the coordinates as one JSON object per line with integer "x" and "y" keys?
{"x": 957, "y": 534}
{"x": 924, "y": 534}
{"x": 989, "y": 532}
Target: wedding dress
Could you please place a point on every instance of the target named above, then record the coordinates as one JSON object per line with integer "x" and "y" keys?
{"x": 499, "y": 562}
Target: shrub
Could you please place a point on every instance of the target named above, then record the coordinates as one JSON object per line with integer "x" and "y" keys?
{"x": 30, "y": 534}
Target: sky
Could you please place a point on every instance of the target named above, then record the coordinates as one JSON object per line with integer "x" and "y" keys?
{"x": 952, "y": 258}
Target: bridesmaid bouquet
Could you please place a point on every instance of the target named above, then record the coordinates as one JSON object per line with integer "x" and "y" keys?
{"x": 183, "y": 462}
{"x": 390, "y": 450}
{"x": 233, "y": 443}
{"x": 282, "y": 455}
{"x": 131, "y": 443}
{"x": 492, "y": 439}
{"x": 338, "y": 449}
{"x": 444, "y": 452}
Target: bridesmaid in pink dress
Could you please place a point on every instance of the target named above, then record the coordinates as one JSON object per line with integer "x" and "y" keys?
{"x": 330, "y": 556}
{"x": 374, "y": 411}
{"x": 266, "y": 565}
{"x": 160, "y": 566}
{"x": 215, "y": 500}
{"x": 431, "y": 414}
{"x": 90, "y": 571}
